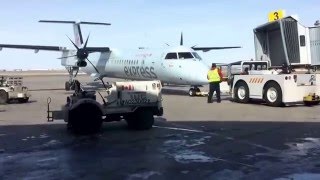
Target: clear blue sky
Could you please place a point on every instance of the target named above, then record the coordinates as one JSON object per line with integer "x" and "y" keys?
{"x": 140, "y": 23}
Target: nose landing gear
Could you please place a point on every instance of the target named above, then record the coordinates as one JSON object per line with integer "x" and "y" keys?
{"x": 69, "y": 85}
{"x": 195, "y": 91}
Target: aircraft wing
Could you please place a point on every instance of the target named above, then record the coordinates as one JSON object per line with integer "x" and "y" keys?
{"x": 50, "y": 48}
{"x": 34, "y": 47}
{"x": 98, "y": 49}
{"x": 206, "y": 49}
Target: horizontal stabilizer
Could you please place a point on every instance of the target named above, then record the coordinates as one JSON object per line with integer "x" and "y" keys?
{"x": 76, "y": 28}
{"x": 74, "y": 22}
{"x": 206, "y": 49}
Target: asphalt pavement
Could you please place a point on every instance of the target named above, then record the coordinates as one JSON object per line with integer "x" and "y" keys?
{"x": 193, "y": 140}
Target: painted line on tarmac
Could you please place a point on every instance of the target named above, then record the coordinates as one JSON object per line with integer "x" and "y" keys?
{"x": 179, "y": 129}
{"x": 216, "y": 134}
{"x": 199, "y": 131}
{"x": 235, "y": 162}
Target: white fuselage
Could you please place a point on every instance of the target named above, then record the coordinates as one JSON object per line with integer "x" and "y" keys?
{"x": 144, "y": 64}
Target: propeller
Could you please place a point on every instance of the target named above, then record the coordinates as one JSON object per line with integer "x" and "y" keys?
{"x": 82, "y": 53}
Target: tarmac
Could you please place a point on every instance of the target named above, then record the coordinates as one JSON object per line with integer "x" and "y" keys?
{"x": 192, "y": 140}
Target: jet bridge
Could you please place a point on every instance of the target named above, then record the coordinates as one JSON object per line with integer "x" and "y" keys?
{"x": 287, "y": 41}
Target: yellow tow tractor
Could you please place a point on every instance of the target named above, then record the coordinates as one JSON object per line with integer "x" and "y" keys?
{"x": 201, "y": 93}
{"x": 311, "y": 99}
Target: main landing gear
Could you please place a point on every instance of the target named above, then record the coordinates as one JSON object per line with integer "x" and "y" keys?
{"x": 195, "y": 91}
{"x": 69, "y": 85}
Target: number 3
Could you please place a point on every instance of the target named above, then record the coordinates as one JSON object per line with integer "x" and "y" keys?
{"x": 276, "y": 15}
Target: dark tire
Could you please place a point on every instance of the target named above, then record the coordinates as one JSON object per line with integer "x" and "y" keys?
{"x": 192, "y": 92}
{"x": 23, "y": 100}
{"x": 72, "y": 86}
{"x": 141, "y": 120}
{"x": 85, "y": 119}
{"x": 311, "y": 103}
{"x": 4, "y": 97}
{"x": 241, "y": 92}
{"x": 67, "y": 86}
{"x": 273, "y": 94}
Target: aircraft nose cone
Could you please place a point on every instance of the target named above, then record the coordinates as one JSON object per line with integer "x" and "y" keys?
{"x": 201, "y": 74}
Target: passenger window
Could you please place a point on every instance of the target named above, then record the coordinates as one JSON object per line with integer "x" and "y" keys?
{"x": 185, "y": 55}
{"x": 302, "y": 40}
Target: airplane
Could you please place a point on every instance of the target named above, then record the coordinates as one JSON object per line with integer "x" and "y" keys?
{"x": 179, "y": 65}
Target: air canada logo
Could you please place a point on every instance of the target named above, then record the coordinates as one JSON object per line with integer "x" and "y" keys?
{"x": 140, "y": 71}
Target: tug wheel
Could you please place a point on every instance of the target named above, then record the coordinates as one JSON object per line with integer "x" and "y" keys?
{"x": 3, "y": 97}
{"x": 273, "y": 94}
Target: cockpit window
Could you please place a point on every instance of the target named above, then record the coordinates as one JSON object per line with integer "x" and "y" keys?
{"x": 196, "y": 55}
{"x": 171, "y": 56}
{"x": 185, "y": 55}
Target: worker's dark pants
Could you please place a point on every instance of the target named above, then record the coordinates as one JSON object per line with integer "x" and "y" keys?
{"x": 214, "y": 86}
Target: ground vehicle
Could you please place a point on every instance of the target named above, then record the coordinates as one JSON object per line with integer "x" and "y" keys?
{"x": 292, "y": 51}
{"x": 134, "y": 101}
{"x": 11, "y": 88}
{"x": 276, "y": 89}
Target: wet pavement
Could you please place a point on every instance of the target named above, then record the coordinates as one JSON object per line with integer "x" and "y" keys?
{"x": 171, "y": 150}
{"x": 193, "y": 140}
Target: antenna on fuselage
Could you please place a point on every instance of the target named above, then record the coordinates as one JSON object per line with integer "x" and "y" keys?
{"x": 181, "y": 39}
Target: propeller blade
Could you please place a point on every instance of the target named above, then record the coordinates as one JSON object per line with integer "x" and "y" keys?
{"x": 85, "y": 44}
{"x": 73, "y": 43}
{"x": 181, "y": 40}
{"x": 66, "y": 57}
{"x": 104, "y": 85}
{"x": 93, "y": 66}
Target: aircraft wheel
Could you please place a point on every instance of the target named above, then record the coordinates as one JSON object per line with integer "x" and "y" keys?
{"x": 192, "y": 92}
{"x": 23, "y": 100}
{"x": 3, "y": 97}
{"x": 72, "y": 86}
{"x": 67, "y": 86}
{"x": 273, "y": 94}
{"x": 241, "y": 91}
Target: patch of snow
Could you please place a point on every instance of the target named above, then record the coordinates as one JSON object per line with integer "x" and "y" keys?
{"x": 303, "y": 176}
{"x": 143, "y": 175}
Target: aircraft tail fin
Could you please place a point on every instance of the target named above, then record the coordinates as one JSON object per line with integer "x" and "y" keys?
{"x": 76, "y": 28}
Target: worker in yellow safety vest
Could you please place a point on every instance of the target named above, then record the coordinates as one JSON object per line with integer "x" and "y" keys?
{"x": 214, "y": 77}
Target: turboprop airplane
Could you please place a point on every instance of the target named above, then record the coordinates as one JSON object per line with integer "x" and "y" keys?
{"x": 178, "y": 65}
